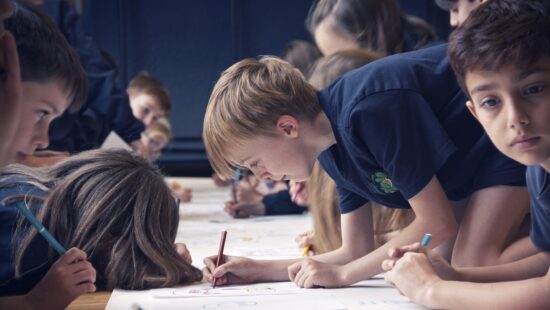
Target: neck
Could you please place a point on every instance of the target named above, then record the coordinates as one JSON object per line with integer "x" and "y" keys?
{"x": 321, "y": 136}
{"x": 546, "y": 165}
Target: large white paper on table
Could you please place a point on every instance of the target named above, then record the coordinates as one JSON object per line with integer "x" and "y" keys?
{"x": 201, "y": 222}
{"x": 286, "y": 302}
{"x": 206, "y": 290}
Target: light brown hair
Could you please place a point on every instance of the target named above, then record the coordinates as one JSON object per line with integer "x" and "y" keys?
{"x": 376, "y": 25}
{"x": 113, "y": 205}
{"x": 144, "y": 83}
{"x": 247, "y": 101}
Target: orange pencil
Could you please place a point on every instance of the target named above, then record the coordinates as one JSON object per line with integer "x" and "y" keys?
{"x": 219, "y": 260}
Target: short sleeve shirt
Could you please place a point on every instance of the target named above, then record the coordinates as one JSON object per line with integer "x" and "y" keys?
{"x": 400, "y": 121}
{"x": 538, "y": 184}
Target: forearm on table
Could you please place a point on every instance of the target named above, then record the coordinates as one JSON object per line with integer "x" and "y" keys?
{"x": 274, "y": 270}
{"x": 529, "y": 267}
{"x": 526, "y": 294}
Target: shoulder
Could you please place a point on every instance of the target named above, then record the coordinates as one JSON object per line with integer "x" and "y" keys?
{"x": 538, "y": 181}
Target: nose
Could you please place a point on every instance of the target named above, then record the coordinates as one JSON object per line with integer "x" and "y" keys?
{"x": 41, "y": 139}
{"x": 517, "y": 116}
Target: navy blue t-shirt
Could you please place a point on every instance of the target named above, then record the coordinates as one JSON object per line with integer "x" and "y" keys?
{"x": 107, "y": 106}
{"x": 35, "y": 262}
{"x": 538, "y": 184}
{"x": 398, "y": 122}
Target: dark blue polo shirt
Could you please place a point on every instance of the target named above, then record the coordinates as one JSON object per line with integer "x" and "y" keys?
{"x": 538, "y": 184}
{"x": 398, "y": 122}
{"x": 35, "y": 262}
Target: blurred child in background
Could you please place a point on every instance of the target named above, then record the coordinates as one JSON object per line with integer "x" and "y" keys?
{"x": 376, "y": 25}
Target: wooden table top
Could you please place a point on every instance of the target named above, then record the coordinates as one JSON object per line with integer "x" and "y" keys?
{"x": 92, "y": 301}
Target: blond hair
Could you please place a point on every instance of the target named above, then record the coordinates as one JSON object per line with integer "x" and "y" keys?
{"x": 247, "y": 101}
{"x": 161, "y": 125}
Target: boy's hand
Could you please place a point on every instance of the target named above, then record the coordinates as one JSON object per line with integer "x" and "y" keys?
{"x": 244, "y": 209}
{"x": 69, "y": 277}
{"x": 443, "y": 269}
{"x": 413, "y": 276}
{"x": 235, "y": 270}
{"x": 310, "y": 273}
{"x": 182, "y": 250}
{"x": 247, "y": 191}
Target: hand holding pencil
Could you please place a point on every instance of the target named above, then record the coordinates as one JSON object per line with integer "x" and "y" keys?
{"x": 69, "y": 277}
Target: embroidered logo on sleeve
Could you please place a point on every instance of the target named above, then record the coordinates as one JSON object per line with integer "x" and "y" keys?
{"x": 382, "y": 183}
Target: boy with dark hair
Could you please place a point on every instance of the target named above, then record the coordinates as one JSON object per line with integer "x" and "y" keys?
{"x": 107, "y": 106}
{"x": 53, "y": 81}
{"x": 149, "y": 99}
{"x": 507, "y": 77}
{"x": 396, "y": 132}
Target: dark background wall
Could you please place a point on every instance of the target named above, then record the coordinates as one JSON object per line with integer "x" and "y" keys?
{"x": 187, "y": 44}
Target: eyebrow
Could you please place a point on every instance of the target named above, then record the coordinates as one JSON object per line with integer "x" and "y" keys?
{"x": 521, "y": 76}
{"x": 483, "y": 87}
{"x": 50, "y": 105}
{"x": 531, "y": 71}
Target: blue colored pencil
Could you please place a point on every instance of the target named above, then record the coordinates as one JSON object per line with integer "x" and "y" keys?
{"x": 41, "y": 229}
{"x": 426, "y": 239}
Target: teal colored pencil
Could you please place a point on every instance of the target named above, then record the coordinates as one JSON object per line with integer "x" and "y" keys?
{"x": 41, "y": 229}
{"x": 426, "y": 239}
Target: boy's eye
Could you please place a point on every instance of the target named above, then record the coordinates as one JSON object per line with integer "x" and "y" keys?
{"x": 146, "y": 110}
{"x": 41, "y": 114}
{"x": 489, "y": 103}
{"x": 531, "y": 90}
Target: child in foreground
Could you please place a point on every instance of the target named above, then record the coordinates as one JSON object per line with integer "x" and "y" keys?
{"x": 125, "y": 229}
{"x": 507, "y": 77}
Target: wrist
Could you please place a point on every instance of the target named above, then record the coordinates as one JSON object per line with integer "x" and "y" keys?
{"x": 346, "y": 276}
{"x": 430, "y": 294}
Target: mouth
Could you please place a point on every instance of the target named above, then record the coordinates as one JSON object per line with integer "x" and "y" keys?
{"x": 524, "y": 143}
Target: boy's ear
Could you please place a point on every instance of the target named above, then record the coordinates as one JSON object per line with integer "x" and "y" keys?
{"x": 288, "y": 126}
{"x": 472, "y": 108}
